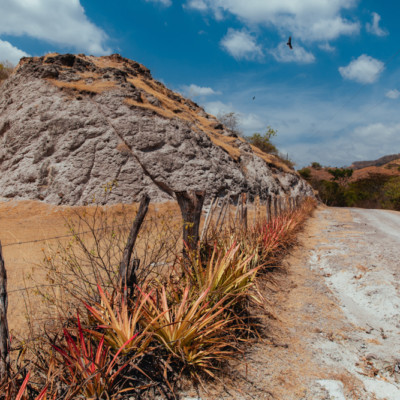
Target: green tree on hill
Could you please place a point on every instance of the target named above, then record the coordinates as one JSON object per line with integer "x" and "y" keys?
{"x": 263, "y": 141}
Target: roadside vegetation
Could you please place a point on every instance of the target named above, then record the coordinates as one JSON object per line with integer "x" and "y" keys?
{"x": 262, "y": 141}
{"x": 6, "y": 69}
{"x": 372, "y": 191}
{"x": 187, "y": 315}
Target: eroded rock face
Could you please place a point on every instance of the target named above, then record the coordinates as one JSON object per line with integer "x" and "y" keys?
{"x": 70, "y": 124}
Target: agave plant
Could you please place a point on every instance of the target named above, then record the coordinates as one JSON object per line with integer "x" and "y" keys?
{"x": 191, "y": 329}
{"x": 119, "y": 323}
{"x": 226, "y": 272}
{"x": 89, "y": 370}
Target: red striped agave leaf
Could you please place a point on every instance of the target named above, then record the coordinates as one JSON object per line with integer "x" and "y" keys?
{"x": 119, "y": 322}
{"x": 89, "y": 369}
{"x": 41, "y": 396}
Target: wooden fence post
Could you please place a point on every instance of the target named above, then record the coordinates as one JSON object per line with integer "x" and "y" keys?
{"x": 208, "y": 219}
{"x": 243, "y": 210}
{"x": 280, "y": 205}
{"x": 127, "y": 269}
{"x": 221, "y": 214}
{"x": 221, "y": 222}
{"x": 292, "y": 206}
{"x": 275, "y": 206}
{"x": 4, "y": 333}
{"x": 191, "y": 204}
{"x": 269, "y": 216}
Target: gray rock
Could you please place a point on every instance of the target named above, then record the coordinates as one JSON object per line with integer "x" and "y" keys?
{"x": 71, "y": 124}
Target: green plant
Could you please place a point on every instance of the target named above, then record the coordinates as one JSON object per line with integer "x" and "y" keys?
{"x": 119, "y": 323}
{"x": 225, "y": 271}
{"x": 305, "y": 173}
{"x": 263, "y": 142}
{"x": 190, "y": 328}
{"x": 341, "y": 175}
{"x": 316, "y": 165}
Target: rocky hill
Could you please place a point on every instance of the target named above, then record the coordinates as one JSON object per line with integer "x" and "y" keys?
{"x": 70, "y": 124}
{"x": 375, "y": 163}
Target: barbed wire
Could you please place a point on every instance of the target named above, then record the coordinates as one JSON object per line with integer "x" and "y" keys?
{"x": 81, "y": 233}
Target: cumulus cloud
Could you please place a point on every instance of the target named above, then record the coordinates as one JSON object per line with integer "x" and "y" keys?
{"x": 194, "y": 90}
{"x": 393, "y": 94}
{"x": 283, "y": 54}
{"x": 327, "y": 47}
{"x": 10, "y": 53}
{"x": 374, "y": 27}
{"x": 241, "y": 45}
{"x": 218, "y": 107}
{"x": 165, "y": 3}
{"x": 199, "y": 5}
{"x": 62, "y": 22}
{"x": 311, "y": 20}
{"x": 364, "y": 69}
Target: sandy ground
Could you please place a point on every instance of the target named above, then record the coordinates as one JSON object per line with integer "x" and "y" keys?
{"x": 25, "y": 229}
{"x": 336, "y": 330}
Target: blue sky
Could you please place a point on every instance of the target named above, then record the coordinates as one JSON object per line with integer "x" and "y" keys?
{"x": 334, "y": 98}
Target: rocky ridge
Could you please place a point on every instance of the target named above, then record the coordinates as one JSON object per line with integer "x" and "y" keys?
{"x": 71, "y": 124}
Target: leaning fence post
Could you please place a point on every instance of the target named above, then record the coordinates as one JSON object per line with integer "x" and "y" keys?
{"x": 4, "y": 333}
{"x": 127, "y": 269}
{"x": 191, "y": 204}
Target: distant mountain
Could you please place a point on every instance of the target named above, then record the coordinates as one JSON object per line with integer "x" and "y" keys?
{"x": 375, "y": 163}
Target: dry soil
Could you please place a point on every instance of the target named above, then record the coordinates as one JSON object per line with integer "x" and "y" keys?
{"x": 336, "y": 330}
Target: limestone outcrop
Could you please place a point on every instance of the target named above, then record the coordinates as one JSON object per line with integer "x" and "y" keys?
{"x": 71, "y": 124}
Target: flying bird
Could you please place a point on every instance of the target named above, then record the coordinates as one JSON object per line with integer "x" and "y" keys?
{"x": 289, "y": 43}
{"x": 254, "y": 97}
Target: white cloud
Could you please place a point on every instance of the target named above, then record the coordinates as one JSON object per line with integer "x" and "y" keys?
{"x": 199, "y": 5}
{"x": 312, "y": 20}
{"x": 283, "y": 54}
{"x": 165, "y": 3}
{"x": 241, "y": 45}
{"x": 218, "y": 107}
{"x": 194, "y": 90}
{"x": 364, "y": 69}
{"x": 393, "y": 94}
{"x": 374, "y": 28}
{"x": 10, "y": 53}
{"x": 62, "y": 22}
{"x": 252, "y": 123}
{"x": 327, "y": 47}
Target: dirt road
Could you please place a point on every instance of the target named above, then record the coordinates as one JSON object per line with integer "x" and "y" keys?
{"x": 336, "y": 330}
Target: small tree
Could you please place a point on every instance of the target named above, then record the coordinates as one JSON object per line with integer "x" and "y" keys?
{"x": 263, "y": 142}
{"x": 305, "y": 173}
{"x": 231, "y": 121}
{"x": 316, "y": 165}
{"x": 341, "y": 175}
